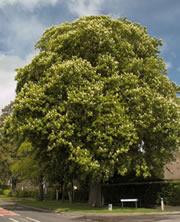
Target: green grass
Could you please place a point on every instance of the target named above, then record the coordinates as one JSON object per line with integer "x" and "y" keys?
{"x": 6, "y": 198}
{"x": 59, "y": 206}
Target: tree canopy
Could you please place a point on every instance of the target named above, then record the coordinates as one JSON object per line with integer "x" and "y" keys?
{"x": 96, "y": 100}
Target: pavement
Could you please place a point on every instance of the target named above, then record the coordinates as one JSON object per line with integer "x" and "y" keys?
{"x": 135, "y": 218}
{"x": 11, "y": 212}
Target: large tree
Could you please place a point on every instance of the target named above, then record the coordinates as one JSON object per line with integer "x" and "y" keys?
{"x": 97, "y": 99}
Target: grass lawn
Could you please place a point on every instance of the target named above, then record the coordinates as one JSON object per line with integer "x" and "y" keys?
{"x": 59, "y": 206}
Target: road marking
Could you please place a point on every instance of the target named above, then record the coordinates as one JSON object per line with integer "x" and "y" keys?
{"x": 13, "y": 220}
{"x": 4, "y": 212}
{"x": 31, "y": 219}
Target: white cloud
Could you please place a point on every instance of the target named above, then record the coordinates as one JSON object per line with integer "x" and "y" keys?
{"x": 8, "y": 64}
{"x": 85, "y": 7}
{"x": 164, "y": 47}
{"x": 28, "y": 4}
{"x": 168, "y": 65}
{"x": 24, "y": 33}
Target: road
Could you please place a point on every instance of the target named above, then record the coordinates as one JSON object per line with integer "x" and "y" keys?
{"x": 10, "y": 212}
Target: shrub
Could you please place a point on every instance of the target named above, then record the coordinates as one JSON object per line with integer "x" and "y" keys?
{"x": 27, "y": 193}
{"x": 171, "y": 193}
{"x": 7, "y": 192}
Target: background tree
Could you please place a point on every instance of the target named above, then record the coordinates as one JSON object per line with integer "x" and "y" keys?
{"x": 7, "y": 147}
{"x": 26, "y": 167}
{"x": 97, "y": 96}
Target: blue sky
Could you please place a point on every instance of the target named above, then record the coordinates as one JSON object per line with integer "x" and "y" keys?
{"x": 22, "y": 22}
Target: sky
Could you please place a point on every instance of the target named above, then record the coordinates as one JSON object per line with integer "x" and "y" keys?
{"x": 22, "y": 22}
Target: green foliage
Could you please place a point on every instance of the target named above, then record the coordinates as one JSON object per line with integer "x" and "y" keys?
{"x": 7, "y": 145}
{"x": 178, "y": 88}
{"x": 6, "y": 192}
{"x": 25, "y": 166}
{"x": 171, "y": 193}
{"x": 96, "y": 101}
{"x": 26, "y": 194}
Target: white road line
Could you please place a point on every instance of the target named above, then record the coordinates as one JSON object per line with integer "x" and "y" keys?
{"x": 13, "y": 220}
{"x": 31, "y": 219}
{"x": 23, "y": 219}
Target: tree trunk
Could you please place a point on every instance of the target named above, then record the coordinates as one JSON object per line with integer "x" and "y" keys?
{"x": 63, "y": 192}
{"x": 13, "y": 185}
{"x": 41, "y": 189}
{"x": 95, "y": 195}
{"x": 57, "y": 194}
{"x": 70, "y": 196}
{"x": 70, "y": 192}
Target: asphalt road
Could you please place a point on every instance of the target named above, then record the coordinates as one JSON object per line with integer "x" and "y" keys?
{"x": 13, "y": 213}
